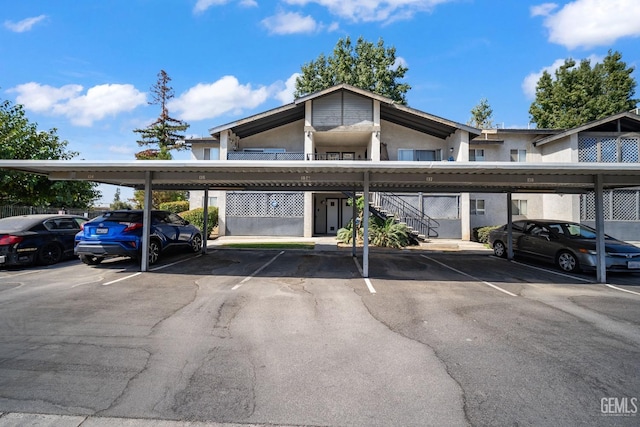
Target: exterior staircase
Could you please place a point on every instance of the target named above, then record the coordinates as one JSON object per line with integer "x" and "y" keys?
{"x": 388, "y": 205}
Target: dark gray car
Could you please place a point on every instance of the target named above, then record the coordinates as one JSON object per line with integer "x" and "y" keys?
{"x": 569, "y": 245}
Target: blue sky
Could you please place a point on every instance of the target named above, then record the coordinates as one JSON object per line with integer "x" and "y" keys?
{"x": 86, "y": 67}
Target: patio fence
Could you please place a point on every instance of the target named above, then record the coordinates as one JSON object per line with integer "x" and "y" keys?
{"x": 10, "y": 210}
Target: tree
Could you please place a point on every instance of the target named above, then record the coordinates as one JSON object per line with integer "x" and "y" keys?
{"x": 21, "y": 140}
{"x": 117, "y": 203}
{"x": 366, "y": 66}
{"x": 164, "y": 134}
{"x": 580, "y": 93}
{"x": 165, "y": 131}
{"x": 481, "y": 115}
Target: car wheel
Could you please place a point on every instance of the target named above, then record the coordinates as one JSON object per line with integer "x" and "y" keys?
{"x": 499, "y": 249}
{"x": 196, "y": 243}
{"x": 567, "y": 261}
{"x": 50, "y": 254}
{"x": 154, "y": 251}
{"x": 91, "y": 260}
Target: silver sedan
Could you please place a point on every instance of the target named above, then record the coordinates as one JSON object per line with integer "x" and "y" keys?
{"x": 571, "y": 246}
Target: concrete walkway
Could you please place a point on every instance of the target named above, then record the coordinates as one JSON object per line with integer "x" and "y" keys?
{"x": 329, "y": 243}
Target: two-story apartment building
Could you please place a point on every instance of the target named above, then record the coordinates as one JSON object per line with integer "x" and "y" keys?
{"x": 347, "y": 124}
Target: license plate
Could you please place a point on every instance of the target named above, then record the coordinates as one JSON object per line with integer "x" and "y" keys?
{"x": 102, "y": 230}
{"x": 3, "y": 259}
{"x": 633, "y": 264}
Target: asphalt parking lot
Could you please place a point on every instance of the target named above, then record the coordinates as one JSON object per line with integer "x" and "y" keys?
{"x": 294, "y": 337}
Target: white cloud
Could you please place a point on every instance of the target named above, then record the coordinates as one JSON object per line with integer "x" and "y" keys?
{"x": 373, "y": 11}
{"x": 531, "y": 81}
{"x": 82, "y": 110}
{"x": 284, "y": 92}
{"x": 24, "y": 25}
{"x": 202, "y": 5}
{"x": 206, "y": 101}
{"x": 543, "y": 9}
{"x": 122, "y": 149}
{"x": 589, "y": 23}
{"x": 290, "y": 23}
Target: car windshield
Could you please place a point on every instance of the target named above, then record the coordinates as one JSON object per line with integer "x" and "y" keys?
{"x": 120, "y": 217}
{"x": 574, "y": 231}
{"x": 16, "y": 223}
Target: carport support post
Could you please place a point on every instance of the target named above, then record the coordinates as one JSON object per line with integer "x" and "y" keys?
{"x": 354, "y": 226}
{"x": 365, "y": 220}
{"x": 146, "y": 221}
{"x": 601, "y": 268}
{"x": 205, "y": 221}
{"x": 509, "y": 227}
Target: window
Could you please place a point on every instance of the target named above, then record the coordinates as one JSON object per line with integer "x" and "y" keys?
{"x": 207, "y": 154}
{"x": 476, "y": 155}
{"x": 213, "y": 201}
{"x": 518, "y": 207}
{"x": 477, "y": 206}
{"x": 518, "y": 155}
{"x": 419, "y": 155}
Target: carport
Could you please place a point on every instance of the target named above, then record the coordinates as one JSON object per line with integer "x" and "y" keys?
{"x": 352, "y": 176}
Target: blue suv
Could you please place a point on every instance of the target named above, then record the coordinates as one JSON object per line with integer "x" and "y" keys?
{"x": 119, "y": 233}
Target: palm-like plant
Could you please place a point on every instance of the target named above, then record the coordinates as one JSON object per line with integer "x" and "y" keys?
{"x": 388, "y": 233}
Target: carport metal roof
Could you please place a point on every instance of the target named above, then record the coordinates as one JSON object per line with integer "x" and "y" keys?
{"x": 478, "y": 177}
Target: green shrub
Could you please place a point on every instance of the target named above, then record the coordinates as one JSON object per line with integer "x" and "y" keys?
{"x": 382, "y": 233}
{"x": 175, "y": 207}
{"x": 196, "y": 217}
{"x": 483, "y": 233}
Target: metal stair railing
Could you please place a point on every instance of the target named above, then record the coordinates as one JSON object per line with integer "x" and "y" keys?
{"x": 386, "y": 205}
{"x": 389, "y": 204}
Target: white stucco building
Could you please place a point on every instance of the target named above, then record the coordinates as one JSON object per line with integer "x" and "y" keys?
{"x": 344, "y": 123}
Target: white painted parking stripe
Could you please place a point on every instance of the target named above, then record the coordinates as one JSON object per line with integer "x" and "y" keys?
{"x": 498, "y": 288}
{"x": 557, "y": 273}
{"x": 582, "y": 279}
{"x": 246, "y": 279}
{"x": 621, "y": 289}
{"x": 366, "y": 279}
{"x": 173, "y": 263}
{"x": 122, "y": 278}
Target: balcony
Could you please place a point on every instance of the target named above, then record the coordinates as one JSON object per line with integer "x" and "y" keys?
{"x": 333, "y": 156}
{"x": 243, "y": 155}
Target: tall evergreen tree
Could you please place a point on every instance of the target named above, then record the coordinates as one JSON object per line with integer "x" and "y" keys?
{"x": 365, "y": 65}
{"x": 482, "y": 115}
{"x": 579, "y": 93}
{"x": 21, "y": 140}
{"x": 163, "y": 135}
{"x": 165, "y": 132}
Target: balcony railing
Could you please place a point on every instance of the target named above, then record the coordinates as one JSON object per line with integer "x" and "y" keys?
{"x": 243, "y": 155}
{"x": 332, "y": 156}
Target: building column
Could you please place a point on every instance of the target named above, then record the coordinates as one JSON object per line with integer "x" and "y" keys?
{"x": 309, "y": 146}
{"x": 308, "y": 214}
{"x": 465, "y": 216}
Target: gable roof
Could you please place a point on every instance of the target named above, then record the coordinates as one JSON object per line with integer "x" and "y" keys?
{"x": 621, "y": 122}
{"x": 389, "y": 111}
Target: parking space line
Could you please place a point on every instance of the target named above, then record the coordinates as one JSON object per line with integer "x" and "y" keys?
{"x": 122, "y": 278}
{"x": 173, "y": 263}
{"x": 246, "y": 279}
{"x": 557, "y": 273}
{"x": 366, "y": 279}
{"x": 473, "y": 277}
{"x": 621, "y": 289}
